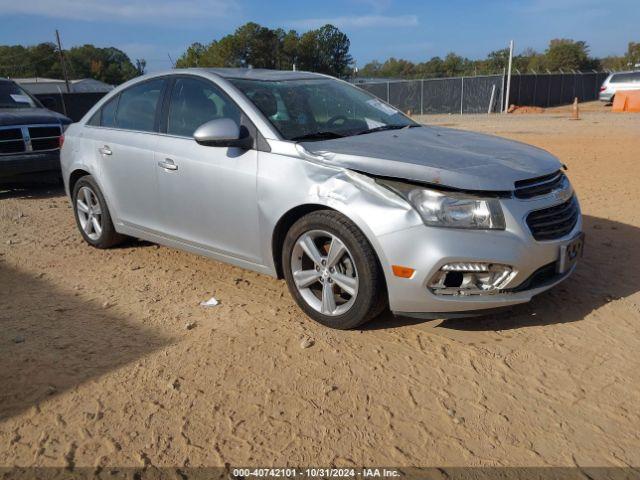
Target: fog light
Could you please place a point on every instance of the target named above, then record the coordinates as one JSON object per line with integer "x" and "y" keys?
{"x": 466, "y": 267}
{"x": 470, "y": 278}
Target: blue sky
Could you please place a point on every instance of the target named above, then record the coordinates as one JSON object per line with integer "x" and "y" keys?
{"x": 378, "y": 29}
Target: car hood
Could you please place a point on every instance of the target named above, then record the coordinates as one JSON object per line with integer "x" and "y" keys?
{"x": 30, "y": 116}
{"x": 437, "y": 155}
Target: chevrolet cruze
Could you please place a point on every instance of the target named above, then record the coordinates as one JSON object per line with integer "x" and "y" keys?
{"x": 305, "y": 177}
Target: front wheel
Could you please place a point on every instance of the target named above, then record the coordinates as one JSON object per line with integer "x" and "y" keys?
{"x": 332, "y": 271}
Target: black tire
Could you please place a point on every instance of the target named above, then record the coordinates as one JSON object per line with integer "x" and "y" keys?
{"x": 371, "y": 297}
{"x": 108, "y": 237}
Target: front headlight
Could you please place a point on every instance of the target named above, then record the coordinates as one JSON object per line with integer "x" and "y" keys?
{"x": 440, "y": 208}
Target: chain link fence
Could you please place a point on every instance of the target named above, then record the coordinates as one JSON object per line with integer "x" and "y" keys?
{"x": 479, "y": 94}
{"x": 485, "y": 94}
{"x": 552, "y": 89}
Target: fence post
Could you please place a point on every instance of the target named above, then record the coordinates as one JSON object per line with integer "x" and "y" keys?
{"x": 422, "y": 97}
{"x": 504, "y": 71}
{"x": 493, "y": 92}
{"x": 506, "y": 105}
{"x": 388, "y": 101}
{"x": 461, "y": 94}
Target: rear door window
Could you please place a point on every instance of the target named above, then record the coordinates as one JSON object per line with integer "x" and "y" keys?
{"x": 138, "y": 106}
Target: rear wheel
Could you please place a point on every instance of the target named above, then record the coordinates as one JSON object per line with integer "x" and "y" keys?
{"x": 92, "y": 215}
{"x": 332, "y": 271}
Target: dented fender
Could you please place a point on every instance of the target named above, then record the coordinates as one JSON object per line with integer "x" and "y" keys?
{"x": 289, "y": 178}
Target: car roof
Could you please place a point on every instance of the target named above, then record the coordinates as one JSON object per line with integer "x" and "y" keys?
{"x": 625, "y": 72}
{"x": 262, "y": 74}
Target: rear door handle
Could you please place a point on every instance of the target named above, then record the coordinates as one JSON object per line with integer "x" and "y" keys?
{"x": 168, "y": 164}
{"x": 105, "y": 150}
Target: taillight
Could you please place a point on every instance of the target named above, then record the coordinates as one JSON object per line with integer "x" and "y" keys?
{"x": 603, "y": 88}
{"x": 60, "y": 141}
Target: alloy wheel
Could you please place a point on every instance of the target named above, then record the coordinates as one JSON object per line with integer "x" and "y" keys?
{"x": 324, "y": 272}
{"x": 89, "y": 213}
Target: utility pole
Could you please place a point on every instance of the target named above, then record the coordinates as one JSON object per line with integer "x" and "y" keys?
{"x": 62, "y": 62}
{"x": 506, "y": 103}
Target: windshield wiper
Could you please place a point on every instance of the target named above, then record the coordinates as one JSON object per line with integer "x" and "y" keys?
{"x": 385, "y": 127}
{"x": 318, "y": 136}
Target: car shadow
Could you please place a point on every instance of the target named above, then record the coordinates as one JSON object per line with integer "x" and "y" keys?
{"x": 32, "y": 189}
{"x": 607, "y": 272}
{"x": 52, "y": 341}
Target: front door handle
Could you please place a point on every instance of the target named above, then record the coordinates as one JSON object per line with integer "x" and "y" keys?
{"x": 105, "y": 150}
{"x": 168, "y": 164}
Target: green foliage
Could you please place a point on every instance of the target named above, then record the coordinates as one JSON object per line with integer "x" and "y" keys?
{"x": 141, "y": 66}
{"x": 562, "y": 54}
{"x": 633, "y": 54}
{"x": 565, "y": 54}
{"x": 324, "y": 50}
{"x": 39, "y": 60}
{"x": 109, "y": 64}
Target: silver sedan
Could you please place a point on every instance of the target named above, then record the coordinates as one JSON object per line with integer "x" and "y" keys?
{"x": 305, "y": 177}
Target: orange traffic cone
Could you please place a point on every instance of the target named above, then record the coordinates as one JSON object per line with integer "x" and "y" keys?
{"x": 575, "y": 110}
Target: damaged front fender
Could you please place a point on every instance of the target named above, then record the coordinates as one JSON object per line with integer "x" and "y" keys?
{"x": 289, "y": 186}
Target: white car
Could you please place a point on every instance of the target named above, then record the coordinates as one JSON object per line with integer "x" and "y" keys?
{"x": 617, "y": 82}
{"x": 303, "y": 176}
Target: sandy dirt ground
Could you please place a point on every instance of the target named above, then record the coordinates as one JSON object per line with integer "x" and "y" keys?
{"x": 107, "y": 359}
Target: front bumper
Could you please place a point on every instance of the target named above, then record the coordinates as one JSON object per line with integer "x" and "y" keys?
{"x": 29, "y": 163}
{"x": 427, "y": 249}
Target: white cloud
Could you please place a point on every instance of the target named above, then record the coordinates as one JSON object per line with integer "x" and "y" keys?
{"x": 139, "y": 11}
{"x": 376, "y": 5}
{"x": 360, "y": 21}
{"x": 553, "y": 6}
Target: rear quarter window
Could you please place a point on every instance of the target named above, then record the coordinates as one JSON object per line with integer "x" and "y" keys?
{"x": 625, "y": 77}
{"x": 106, "y": 115}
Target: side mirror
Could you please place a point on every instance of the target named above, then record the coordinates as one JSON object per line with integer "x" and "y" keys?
{"x": 223, "y": 132}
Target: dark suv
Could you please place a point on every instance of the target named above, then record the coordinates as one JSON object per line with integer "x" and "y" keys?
{"x": 30, "y": 135}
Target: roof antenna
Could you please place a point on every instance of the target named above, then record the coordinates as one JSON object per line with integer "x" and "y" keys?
{"x": 173, "y": 64}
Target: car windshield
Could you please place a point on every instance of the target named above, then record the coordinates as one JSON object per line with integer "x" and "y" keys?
{"x": 12, "y": 96}
{"x": 319, "y": 109}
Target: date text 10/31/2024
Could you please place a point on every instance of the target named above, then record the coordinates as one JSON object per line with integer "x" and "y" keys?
{"x": 316, "y": 472}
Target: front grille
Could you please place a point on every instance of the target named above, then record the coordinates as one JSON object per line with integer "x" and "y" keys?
{"x": 534, "y": 187}
{"x": 11, "y": 141}
{"x": 554, "y": 222}
{"x": 44, "y": 138}
{"x": 41, "y": 138}
{"x": 45, "y": 143}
